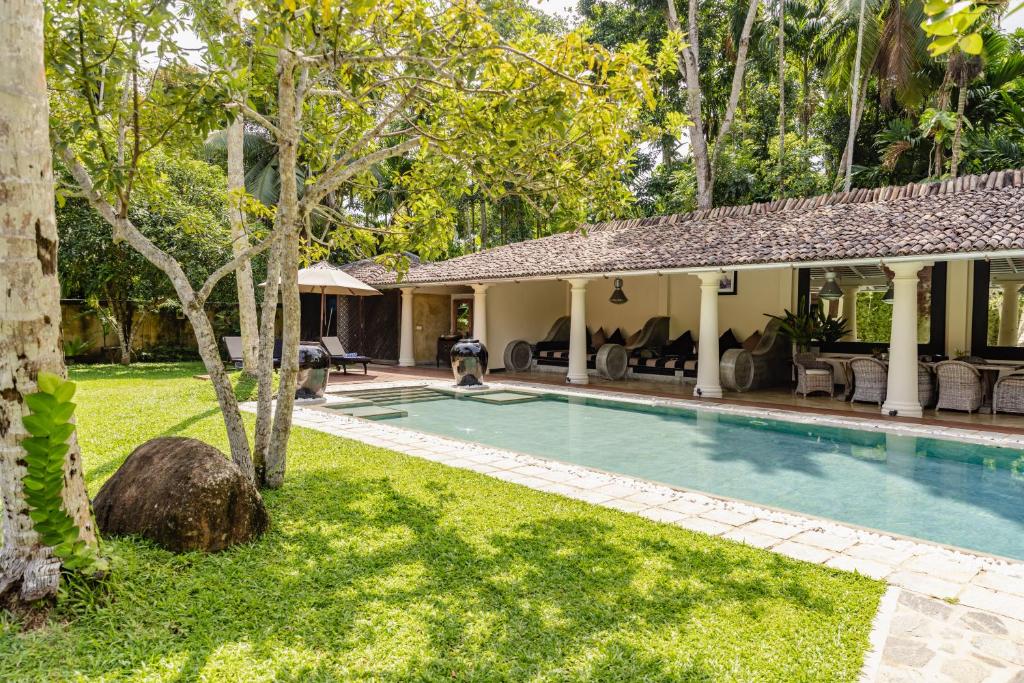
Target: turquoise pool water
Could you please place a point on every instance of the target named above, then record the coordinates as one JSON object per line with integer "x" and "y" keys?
{"x": 945, "y": 491}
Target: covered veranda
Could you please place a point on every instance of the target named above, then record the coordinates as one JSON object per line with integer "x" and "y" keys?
{"x": 921, "y": 273}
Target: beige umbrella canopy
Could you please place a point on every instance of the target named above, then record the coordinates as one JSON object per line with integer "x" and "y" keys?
{"x": 325, "y": 278}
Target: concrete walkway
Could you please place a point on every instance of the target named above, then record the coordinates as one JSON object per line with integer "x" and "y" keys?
{"x": 950, "y": 615}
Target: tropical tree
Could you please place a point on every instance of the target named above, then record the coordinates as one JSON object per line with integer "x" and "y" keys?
{"x": 687, "y": 59}
{"x": 183, "y": 211}
{"x": 344, "y": 89}
{"x": 31, "y": 360}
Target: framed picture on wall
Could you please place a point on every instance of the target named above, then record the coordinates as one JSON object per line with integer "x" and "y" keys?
{"x": 727, "y": 283}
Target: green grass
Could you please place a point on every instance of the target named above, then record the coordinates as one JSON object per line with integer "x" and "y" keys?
{"x": 381, "y": 566}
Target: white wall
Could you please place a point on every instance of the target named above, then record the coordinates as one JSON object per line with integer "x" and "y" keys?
{"x": 757, "y": 292}
{"x": 524, "y": 310}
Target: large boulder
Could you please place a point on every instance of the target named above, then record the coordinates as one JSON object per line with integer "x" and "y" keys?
{"x": 183, "y": 495}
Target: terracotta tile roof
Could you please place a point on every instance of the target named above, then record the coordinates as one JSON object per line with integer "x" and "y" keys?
{"x": 971, "y": 214}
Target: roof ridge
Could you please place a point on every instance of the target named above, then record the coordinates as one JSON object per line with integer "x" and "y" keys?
{"x": 993, "y": 180}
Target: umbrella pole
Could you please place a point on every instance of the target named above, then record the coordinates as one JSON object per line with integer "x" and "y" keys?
{"x": 322, "y": 301}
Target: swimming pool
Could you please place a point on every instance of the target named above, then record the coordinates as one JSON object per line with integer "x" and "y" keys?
{"x": 950, "y": 492}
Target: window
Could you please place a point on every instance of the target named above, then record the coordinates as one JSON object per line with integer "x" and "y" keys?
{"x": 868, "y": 314}
{"x": 998, "y": 302}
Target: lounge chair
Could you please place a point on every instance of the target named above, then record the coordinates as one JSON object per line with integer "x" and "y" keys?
{"x": 234, "y": 349}
{"x": 760, "y": 363}
{"x": 340, "y": 358}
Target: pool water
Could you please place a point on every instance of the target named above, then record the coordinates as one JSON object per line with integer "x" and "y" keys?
{"x": 945, "y": 491}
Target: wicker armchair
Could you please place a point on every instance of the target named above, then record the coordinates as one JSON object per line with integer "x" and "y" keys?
{"x": 1008, "y": 395}
{"x": 870, "y": 380}
{"x": 960, "y": 386}
{"x": 925, "y": 385}
{"x": 813, "y": 375}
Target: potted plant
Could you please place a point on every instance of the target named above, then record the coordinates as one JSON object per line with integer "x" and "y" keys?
{"x": 798, "y": 327}
{"x": 810, "y": 324}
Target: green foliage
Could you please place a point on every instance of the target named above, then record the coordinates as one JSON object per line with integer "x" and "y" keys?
{"x": 50, "y": 426}
{"x": 797, "y": 327}
{"x": 74, "y": 347}
{"x": 810, "y": 324}
{"x": 383, "y": 566}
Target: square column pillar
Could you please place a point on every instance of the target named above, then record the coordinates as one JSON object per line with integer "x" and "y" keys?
{"x": 1009, "y": 314}
{"x": 577, "y": 332}
{"x": 405, "y": 352}
{"x": 850, "y": 311}
{"x": 709, "y": 383}
{"x": 480, "y": 313}
{"x": 901, "y": 393}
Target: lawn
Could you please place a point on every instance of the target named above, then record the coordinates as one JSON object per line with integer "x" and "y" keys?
{"x": 381, "y": 566}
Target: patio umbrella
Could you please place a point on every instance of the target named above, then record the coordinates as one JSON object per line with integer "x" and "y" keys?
{"x": 324, "y": 278}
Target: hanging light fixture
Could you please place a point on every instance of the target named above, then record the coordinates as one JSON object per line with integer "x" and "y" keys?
{"x": 830, "y": 291}
{"x": 889, "y": 295}
{"x": 618, "y": 296}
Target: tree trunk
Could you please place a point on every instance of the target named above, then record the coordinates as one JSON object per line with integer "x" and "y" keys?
{"x": 265, "y": 388}
{"x": 805, "y": 86}
{"x": 737, "y": 87}
{"x": 961, "y": 104}
{"x": 289, "y": 228}
{"x": 856, "y": 125}
{"x": 30, "y": 309}
{"x": 687, "y": 63}
{"x": 855, "y": 105}
{"x": 782, "y": 98}
{"x": 248, "y": 324}
{"x": 484, "y": 236}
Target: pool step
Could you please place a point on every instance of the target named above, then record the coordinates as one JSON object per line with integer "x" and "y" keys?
{"x": 373, "y": 412}
{"x": 503, "y": 397}
{"x": 397, "y": 395}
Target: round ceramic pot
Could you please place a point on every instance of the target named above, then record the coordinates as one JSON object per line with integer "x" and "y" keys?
{"x": 469, "y": 362}
{"x": 314, "y": 371}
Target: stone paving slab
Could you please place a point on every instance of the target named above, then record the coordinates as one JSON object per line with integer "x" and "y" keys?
{"x": 959, "y": 616}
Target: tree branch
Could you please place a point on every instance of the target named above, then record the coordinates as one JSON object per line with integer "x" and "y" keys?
{"x": 342, "y": 170}
{"x": 230, "y": 267}
{"x": 254, "y": 115}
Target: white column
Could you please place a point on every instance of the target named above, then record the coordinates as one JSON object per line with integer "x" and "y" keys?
{"x": 405, "y": 352}
{"x": 850, "y": 311}
{"x": 901, "y": 395}
{"x": 708, "y": 378}
{"x": 1009, "y": 314}
{"x": 577, "y": 332}
{"x": 480, "y": 313}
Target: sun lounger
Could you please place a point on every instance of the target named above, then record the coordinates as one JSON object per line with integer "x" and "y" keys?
{"x": 234, "y": 349}
{"x": 340, "y": 358}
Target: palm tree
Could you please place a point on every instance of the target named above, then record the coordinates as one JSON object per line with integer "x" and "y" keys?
{"x": 964, "y": 69}
{"x": 855, "y": 102}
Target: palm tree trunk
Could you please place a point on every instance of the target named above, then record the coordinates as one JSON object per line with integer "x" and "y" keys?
{"x": 30, "y": 319}
{"x": 248, "y": 323}
{"x": 961, "y": 104}
{"x": 855, "y": 102}
{"x": 782, "y": 97}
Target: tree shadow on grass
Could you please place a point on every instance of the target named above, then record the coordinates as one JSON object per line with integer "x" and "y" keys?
{"x": 439, "y": 574}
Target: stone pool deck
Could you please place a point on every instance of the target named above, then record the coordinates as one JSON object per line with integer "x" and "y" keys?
{"x": 948, "y": 615}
